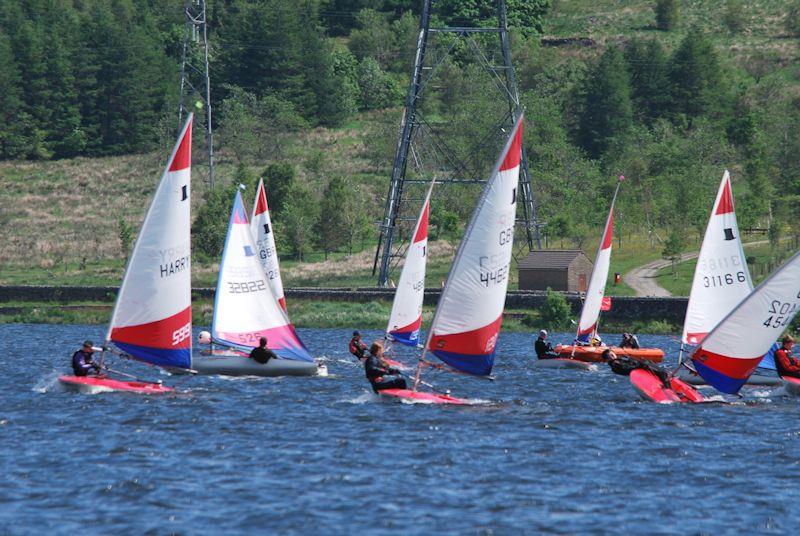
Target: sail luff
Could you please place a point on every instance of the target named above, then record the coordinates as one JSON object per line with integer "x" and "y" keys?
{"x": 264, "y": 237}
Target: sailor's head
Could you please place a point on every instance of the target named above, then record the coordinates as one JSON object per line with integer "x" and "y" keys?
{"x": 608, "y": 354}
{"x": 543, "y": 333}
{"x": 788, "y": 341}
{"x": 356, "y": 335}
{"x": 376, "y": 348}
{"x": 88, "y": 346}
{"x": 204, "y": 337}
{"x": 262, "y": 342}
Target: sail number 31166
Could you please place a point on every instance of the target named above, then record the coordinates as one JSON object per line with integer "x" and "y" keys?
{"x": 725, "y": 279}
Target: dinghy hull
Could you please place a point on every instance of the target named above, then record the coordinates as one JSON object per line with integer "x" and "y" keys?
{"x": 650, "y": 388}
{"x": 564, "y": 363}
{"x": 99, "y": 384}
{"x": 594, "y": 354}
{"x": 792, "y": 385}
{"x": 235, "y": 365}
{"x": 420, "y": 396}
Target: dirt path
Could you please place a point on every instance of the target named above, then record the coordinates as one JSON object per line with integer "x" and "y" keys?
{"x": 642, "y": 279}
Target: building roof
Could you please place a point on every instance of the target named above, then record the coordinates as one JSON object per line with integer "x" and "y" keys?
{"x": 550, "y": 259}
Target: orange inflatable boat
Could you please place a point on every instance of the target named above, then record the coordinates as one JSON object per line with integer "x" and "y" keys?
{"x": 593, "y": 354}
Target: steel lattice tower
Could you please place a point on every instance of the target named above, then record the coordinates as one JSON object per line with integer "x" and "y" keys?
{"x": 195, "y": 81}
{"x": 423, "y": 134}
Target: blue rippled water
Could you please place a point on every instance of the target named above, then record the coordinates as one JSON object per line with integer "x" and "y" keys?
{"x": 557, "y": 450}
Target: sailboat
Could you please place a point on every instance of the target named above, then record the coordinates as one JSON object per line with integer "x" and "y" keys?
{"x": 261, "y": 227}
{"x": 466, "y": 325}
{"x": 732, "y": 351}
{"x": 245, "y": 309}
{"x": 721, "y": 281}
{"x": 152, "y": 317}
{"x": 592, "y": 305}
{"x": 405, "y": 318}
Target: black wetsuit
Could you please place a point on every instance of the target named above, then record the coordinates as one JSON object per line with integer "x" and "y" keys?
{"x": 82, "y": 364}
{"x": 624, "y": 365}
{"x": 629, "y": 342}
{"x": 358, "y": 348}
{"x": 381, "y": 377}
{"x": 262, "y": 355}
{"x": 544, "y": 350}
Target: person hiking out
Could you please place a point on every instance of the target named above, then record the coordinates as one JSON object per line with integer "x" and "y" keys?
{"x": 544, "y": 350}
{"x": 357, "y": 347}
{"x": 379, "y": 373}
{"x": 262, "y": 354}
{"x": 785, "y": 362}
{"x": 82, "y": 363}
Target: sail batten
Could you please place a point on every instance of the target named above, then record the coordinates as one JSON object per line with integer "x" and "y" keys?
{"x": 152, "y": 317}
{"x": 245, "y": 308}
{"x": 405, "y": 319}
{"x": 466, "y": 324}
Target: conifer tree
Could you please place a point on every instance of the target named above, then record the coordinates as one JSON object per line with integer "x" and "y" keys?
{"x": 607, "y": 107}
{"x": 649, "y": 71}
{"x": 696, "y": 78}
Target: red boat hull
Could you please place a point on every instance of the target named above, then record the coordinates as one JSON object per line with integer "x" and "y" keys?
{"x": 431, "y": 398}
{"x": 649, "y": 386}
{"x": 593, "y": 354}
{"x": 101, "y": 384}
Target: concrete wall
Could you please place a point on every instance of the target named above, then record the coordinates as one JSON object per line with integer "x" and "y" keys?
{"x": 628, "y": 308}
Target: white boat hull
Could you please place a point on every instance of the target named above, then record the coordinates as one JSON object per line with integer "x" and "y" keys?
{"x": 564, "y": 363}
{"x": 234, "y": 365}
{"x": 759, "y": 377}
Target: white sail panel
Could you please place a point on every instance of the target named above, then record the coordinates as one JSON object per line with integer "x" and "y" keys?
{"x": 590, "y": 313}
{"x": 245, "y": 308}
{"x": 467, "y": 321}
{"x": 406, "y": 316}
{"x": 152, "y": 318}
{"x": 261, "y": 227}
{"x": 732, "y": 350}
{"x": 721, "y": 278}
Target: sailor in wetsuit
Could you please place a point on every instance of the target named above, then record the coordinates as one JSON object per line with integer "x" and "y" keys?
{"x": 262, "y": 354}
{"x": 82, "y": 364}
{"x": 629, "y": 340}
{"x": 357, "y": 346}
{"x": 544, "y": 350}
{"x": 380, "y": 374}
{"x": 785, "y": 362}
{"x": 624, "y": 365}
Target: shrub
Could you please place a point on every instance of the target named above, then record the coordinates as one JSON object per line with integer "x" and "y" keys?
{"x": 556, "y": 312}
{"x": 667, "y": 13}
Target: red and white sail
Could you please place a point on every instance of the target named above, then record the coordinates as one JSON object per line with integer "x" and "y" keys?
{"x": 730, "y": 353}
{"x": 721, "y": 278}
{"x": 244, "y": 307}
{"x": 261, "y": 227}
{"x": 406, "y": 316}
{"x": 467, "y": 321}
{"x": 152, "y": 318}
{"x": 590, "y": 314}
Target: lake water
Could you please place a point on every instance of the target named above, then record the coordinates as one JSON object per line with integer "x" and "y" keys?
{"x": 556, "y": 450}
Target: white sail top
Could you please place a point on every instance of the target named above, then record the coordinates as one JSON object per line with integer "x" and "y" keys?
{"x": 467, "y": 321}
{"x": 732, "y": 350}
{"x": 721, "y": 278}
{"x": 261, "y": 227}
{"x": 245, "y": 308}
{"x": 587, "y": 325}
{"x": 152, "y": 318}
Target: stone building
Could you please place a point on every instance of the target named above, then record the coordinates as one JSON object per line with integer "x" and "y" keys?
{"x": 559, "y": 269}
